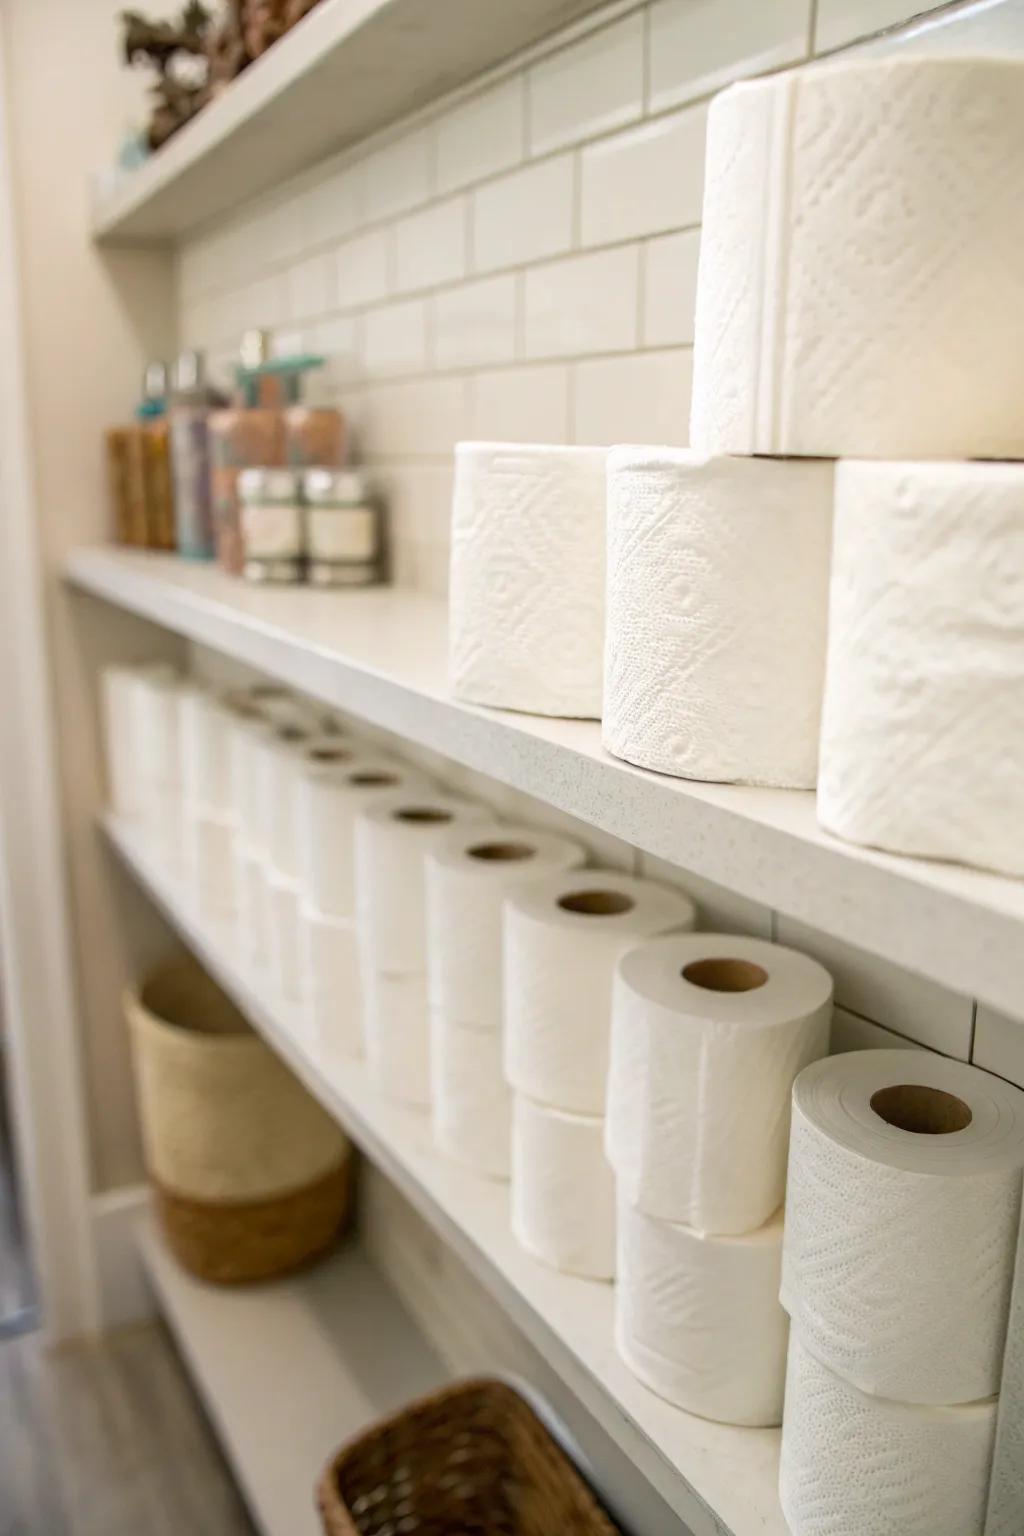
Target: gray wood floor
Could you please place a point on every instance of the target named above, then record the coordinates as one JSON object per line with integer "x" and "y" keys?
{"x": 109, "y": 1440}
{"x": 16, "y": 1288}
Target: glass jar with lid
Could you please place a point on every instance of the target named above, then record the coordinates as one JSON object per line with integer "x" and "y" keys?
{"x": 272, "y": 525}
{"x": 342, "y": 528}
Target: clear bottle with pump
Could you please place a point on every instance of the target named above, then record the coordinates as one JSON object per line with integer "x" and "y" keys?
{"x": 190, "y": 457}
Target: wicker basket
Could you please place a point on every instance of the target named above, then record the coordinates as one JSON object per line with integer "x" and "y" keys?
{"x": 472, "y": 1460}
{"x": 251, "y": 1177}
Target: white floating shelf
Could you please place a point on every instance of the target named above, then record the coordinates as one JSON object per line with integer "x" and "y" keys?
{"x": 346, "y": 69}
{"x": 381, "y": 654}
{"x": 698, "y": 1467}
{"x": 290, "y": 1370}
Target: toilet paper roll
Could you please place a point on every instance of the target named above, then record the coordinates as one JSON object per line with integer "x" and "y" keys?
{"x": 397, "y": 1035}
{"x": 708, "y": 1033}
{"x": 331, "y": 983}
{"x": 924, "y": 698}
{"x": 859, "y": 292}
{"x": 469, "y": 874}
{"x": 902, "y": 1211}
{"x": 563, "y": 1192}
{"x": 471, "y": 1102}
{"x": 564, "y": 936}
{"x": 121, "y": 723}
{"x": 156, "y": 702}
{"x": 718, "y": 573}
{"x": 698, "y": 1320}
{"x": 392, "y": 840}
{"x": 252, "y": 904}
{"x": 210, "y": 861}
{"x": 527, "y": 577}
{"x": 283, "y": 755}
{"x": 204, "y": 724}
{"x": 856, "y": 1465}
{"x": 329, "y": 801}
{"x": 284, "y": 913}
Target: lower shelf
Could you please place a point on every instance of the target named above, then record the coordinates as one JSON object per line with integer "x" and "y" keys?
{"x": 290, "y": 1369}
{"x": 717, "y": 1478}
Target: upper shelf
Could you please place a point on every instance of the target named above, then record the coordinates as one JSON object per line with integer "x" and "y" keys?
{"x": 345, "y": 70}
{"x": 381, "y": 654}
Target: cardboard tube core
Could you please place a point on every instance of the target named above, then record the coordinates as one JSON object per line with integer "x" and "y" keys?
{"x": 597, "y": 903}
{"x": 922, "y": 1111}
{"x": 372, "y": 780}
{"x": 724, "y": 975}
{"x": 423, "y": 815}
{"x": 502, "y": 852}
{"x": 329, "y": 755}
{"x": 291, "y": 733}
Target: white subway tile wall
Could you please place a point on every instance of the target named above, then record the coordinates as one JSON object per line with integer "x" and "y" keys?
{"x": 519, "y": 262}
{"x": 518, "y": 259}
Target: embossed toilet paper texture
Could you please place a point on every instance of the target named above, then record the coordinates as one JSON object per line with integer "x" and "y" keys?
{"x": 698, "y": 1320}
{"x": 718, "y": 574}
{"x": 527, "y": 577}
{"x": 899, "y": 1246}
{"x": 860, "y": 291}
{"x": 855, "y": 1465}
{"x": 923, "y": 722}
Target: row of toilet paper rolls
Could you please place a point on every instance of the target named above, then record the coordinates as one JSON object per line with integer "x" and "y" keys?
{"x": 859, "y": 299}
{"x": 651, "y": 1072}
{"x": 727, "y": 627}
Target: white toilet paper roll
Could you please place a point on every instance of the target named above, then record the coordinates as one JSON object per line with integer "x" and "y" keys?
{"x": 859, "y": 292}
{"x": 564, "y": 936}
{"x": 210, "y": 861}
{"x": 392, "y": 841}
{"x": 902, "y": 1211}
{"x": 856, "y": 1465}
{"x": 252, "y": 909}
{"x": 471, "y": 1102}
{"x": 284, "y": 913}
{"x": 698, "y": 1320}
{"x": 284, "y": 755}
{"x": 708, "y": 1033}
{"x": 331, "y": 983}
{"x": 121, "y": 723}
{"x": 718, "y": 573}
{"x": 204, "y": 723}
{"x": 527, "y": 577}
{"x": 924, "y": 699}
{"x": 563, "y": 1192}
{"x": 329, "y": 801}
{"x": 469, "y": 874}
{"x": 156, "y": 700}
{"x": 397, "y": 1035}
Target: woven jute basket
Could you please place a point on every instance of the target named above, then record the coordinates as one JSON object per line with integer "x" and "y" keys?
{"x": 471, "y": 1460}
{"x": 251, "y": 1177}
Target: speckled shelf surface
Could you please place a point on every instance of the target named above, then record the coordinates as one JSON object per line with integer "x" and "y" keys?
{"x": 381, "y": 655}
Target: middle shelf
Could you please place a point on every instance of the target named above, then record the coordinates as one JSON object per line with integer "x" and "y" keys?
{"x": 712, "y": 1475}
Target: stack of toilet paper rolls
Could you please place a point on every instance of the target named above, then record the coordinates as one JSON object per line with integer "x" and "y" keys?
{"x": 527, "y": 595}
{"x": 708, "y": 1033}
{"x": 563, "y": 938}
{"x": 141, "y": 773}
{"x": 204, "y": 726}
{"x": 901, "y": 1231}
{"x": 392, "y": 840}
{"x": 331, "y": 796}
{"x": 281, "y": 754}
{"x": 469, "y": 875}
{"x": 859, "y": 298}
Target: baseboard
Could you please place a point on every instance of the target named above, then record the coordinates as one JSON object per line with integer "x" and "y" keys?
{"x": 124, "y": 1292}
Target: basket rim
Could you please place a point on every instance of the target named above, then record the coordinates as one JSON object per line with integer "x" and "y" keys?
{"x": 521, "y": 1392}
{"x": 138, "y": 1011}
